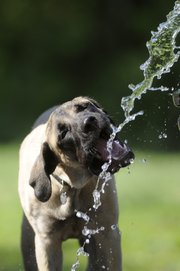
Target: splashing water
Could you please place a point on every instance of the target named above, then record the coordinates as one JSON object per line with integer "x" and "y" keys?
{"x": 83, "y": 216}
{"x": 76, "y": 265}
{"x": 162, "y": 56}
{"x": 89, "y": 232}
{"x": 105, "y": 176}
{"x": 80, "y": 252}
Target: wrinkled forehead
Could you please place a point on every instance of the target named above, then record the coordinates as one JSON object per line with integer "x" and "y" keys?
{"x": 78, "y": 101}
{"x": 73, "y": 106}
{"x": 81, "y": 99}
{"x": 68, "y": 110}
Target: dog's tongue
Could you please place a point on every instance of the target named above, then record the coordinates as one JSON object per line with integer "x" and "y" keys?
{"x": 119, "y": 156}
{"x": 118, "y": 151}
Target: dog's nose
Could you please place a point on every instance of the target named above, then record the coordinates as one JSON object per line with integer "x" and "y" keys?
{"x": 90, "y": 124}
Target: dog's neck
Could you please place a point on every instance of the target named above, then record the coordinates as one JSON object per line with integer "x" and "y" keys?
{"x": 73, "y": 178}
{"x": 60, "y": 180}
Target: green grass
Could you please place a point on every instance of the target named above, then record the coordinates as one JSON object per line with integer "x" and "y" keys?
{"x": 150, "y": 218}
{"x": 149, "y": 198}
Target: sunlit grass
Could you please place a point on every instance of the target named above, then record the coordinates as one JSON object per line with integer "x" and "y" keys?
{"x": 150, "y": 218}
{"x": 149, "y": 198}
{"x": 10, "y": 210}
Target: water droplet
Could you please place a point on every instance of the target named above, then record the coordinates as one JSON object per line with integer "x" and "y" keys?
{"x": 162, "y": 135}
{"x": 89, "y": 232}
{"x": 161, "y": 88}
{"x": 82, "y": 252}
{"x": 97, "y": 201}
{"x": 113, "y": 227}
{"x": 131, "y": 161}
{"x": 83, "y": 216}
{"x": 87, "y": 241}
{"x": 101, "y": 229}
{"x": 75, "y": 266}
{"x": 144, "y": 160}
{"x": 85, "y": 231}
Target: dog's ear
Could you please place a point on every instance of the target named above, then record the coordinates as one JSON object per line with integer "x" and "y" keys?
{"x": 40, "y": 180}
{"x": 95, "y": 103}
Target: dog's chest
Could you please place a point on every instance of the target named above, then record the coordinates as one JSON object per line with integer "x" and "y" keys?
{"x": 63, "y": 202}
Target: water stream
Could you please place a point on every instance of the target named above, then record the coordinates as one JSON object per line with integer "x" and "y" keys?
{"x": 163, "y": 53}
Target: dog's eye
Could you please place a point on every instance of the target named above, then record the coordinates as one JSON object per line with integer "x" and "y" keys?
{"x": 63, "y": 133}
{"x": 63, "y": 130}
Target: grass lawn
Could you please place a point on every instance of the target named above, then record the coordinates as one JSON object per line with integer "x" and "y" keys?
{"x": 149, "y": 197}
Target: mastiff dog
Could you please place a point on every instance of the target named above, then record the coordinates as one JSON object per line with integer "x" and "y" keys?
{"x": 60, "y": 161}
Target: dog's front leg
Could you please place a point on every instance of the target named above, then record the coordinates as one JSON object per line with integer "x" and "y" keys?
{"x": 48, "y": 252}
{"x": 104, "y": 251}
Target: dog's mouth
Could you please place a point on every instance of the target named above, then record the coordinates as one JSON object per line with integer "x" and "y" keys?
{"x": 116, "y": 153}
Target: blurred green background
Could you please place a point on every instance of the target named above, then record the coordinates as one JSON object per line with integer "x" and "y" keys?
{"x": 52, "y": 51}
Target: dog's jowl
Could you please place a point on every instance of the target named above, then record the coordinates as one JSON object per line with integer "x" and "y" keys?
{"x": 63, "y": 155}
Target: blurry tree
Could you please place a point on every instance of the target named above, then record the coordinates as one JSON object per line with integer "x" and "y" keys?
{"x": 52, "y": 51}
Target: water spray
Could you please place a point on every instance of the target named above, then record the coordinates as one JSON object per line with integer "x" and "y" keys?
{"x": 163, "y": 53}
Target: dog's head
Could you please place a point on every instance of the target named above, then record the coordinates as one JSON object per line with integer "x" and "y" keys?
{"x": 77, "y": 135}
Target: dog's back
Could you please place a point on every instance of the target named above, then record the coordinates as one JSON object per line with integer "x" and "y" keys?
{"x": 43, "y": 118}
